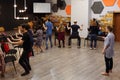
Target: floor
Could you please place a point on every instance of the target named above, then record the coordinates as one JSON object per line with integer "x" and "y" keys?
{"x": 67, "y": 64}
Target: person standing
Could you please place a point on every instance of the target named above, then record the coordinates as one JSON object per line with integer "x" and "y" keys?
{"x": 93, "y": 34}
{"x": 48, "y": 26}
{"x": 75, "y": 34}
{"x": 27, "y": 49}
{"x": 61, "y": 34}
{"x": 39, "y": 39}
{"x": 108, "y": 51}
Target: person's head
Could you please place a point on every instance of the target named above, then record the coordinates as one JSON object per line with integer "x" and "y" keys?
{"x": 75, "y": 22}
{"x": 94, "y": 19}
{"x": 109, "y": 29}
{"x": 39, "y": 27}
{"x": 25, "y": 27}
{"x": 48, "y": 19}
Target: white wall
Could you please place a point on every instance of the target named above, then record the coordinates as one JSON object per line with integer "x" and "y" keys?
{"x": 80, "y": 13}
{"x": 62, "y": 12}
{"x": 105, "y": 10}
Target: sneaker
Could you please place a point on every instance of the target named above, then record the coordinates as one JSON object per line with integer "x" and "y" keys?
{"x": 91, "y": 48}
{"x": 59, "y": 46}
{"x": 25, "y": 73}
{"x": 69, "y": 46}
{"x": 94, "y": 48}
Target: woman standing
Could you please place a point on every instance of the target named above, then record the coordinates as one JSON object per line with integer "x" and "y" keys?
{"x": 108, "y": 51}
{"x": 93, "y": 34}
{"x": 61, "y": 34}
{"x": 39, "y": 40}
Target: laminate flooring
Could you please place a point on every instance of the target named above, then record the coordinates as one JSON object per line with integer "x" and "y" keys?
{"x": 67, "y": 64}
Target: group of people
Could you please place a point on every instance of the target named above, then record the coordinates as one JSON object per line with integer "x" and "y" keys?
{"x": 26, "y": 40}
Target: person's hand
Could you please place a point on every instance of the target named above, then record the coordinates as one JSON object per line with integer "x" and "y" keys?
{"x": 103, "y": 51}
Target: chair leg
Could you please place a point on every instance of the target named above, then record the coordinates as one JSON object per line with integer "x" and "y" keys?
{"x": 14, "y": 66}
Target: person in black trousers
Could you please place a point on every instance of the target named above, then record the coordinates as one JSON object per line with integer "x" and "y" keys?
{"x": 27, "y": 49}
{"x": 75, "y": 34}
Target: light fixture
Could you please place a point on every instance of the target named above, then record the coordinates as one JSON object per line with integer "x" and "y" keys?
{"x": 20, "y": 11}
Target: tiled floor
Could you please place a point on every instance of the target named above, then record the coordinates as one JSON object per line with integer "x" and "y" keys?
{"x": 67, "y": 64}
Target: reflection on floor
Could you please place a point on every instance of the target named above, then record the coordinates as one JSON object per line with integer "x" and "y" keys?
{"x": 67, "y": 64}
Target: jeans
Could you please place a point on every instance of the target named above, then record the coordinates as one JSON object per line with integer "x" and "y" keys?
{"x": 93, "y": 39}
{"x": 50, "y": 39}
{"x": 109, "y": 64}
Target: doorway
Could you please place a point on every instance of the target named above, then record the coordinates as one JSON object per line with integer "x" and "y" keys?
{"x": 116, "y": 26}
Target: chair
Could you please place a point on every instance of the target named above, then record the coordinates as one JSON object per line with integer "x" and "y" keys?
{"x": 9, "y": 57}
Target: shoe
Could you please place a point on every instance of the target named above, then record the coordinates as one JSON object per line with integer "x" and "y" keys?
{"x": 59, "y": 46}
{"x": 46, "y": 48}
{"x": 105, "y": 74}
{"x": 63, "y": 46}
{"x": 41, "y": 51}
{"x": 94, "y": 48}
{"x": 2, "y": 75}
{"x": 91, "y": 48}
{"x": 51, "y": 46}
{"x": 25, "y": 73}
{"x": 69, "y": 46}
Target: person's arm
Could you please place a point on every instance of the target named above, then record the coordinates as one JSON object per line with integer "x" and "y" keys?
{"x": 107, "y": 44}
{"x": 15, "y": 39}
{"x": 20, "y": 42}
{"x": 44, "y": 27}
{"x": 68, "y": 27}
{"x": 81, "y": 27}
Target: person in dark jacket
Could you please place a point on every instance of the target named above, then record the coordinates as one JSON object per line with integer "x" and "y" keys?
{"x": 93, "y": 34}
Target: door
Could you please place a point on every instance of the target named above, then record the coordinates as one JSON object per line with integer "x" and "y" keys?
{"x": 116, "y": 26}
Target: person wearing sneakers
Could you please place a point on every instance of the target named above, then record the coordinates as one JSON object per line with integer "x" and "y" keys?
{"x": 74, "y": 34}
{"x": 108, "y": 51}
{"x": 48, "y": 26}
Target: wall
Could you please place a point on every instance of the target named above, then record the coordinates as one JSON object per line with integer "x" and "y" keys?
{"x": 6, "y": 13}
{"x": 105, "y": 10}
{"x": 80, "y": 13}
{"x": 62, "y": 12}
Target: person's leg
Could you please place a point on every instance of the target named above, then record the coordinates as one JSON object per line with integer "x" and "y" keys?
{"x": 111, "y": 64}
{"x": 22, "y": 62}
{"x": 63, "y": 41}
{"x": 59, "y": 44}
{"x": 91, "y": 41}
{"x": 79, "y": 41}
{"x": 27, "y": 61}
{"x": 69, "y": 41}
{"x": 47, "y": 41}
{"x": 50, "y": 39}
{"x": 95, "y": 41}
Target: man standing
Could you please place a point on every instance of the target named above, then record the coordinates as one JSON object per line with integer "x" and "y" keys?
{"x": 75, "y": 34}
{"x": 108, "y": 51}
{"x": 48, "y": 27}
{"x": 27, "y": 49}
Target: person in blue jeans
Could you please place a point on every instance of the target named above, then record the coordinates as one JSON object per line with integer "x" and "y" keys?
{"x": 93, "y": 34}
{"x": 48, "y": 26}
